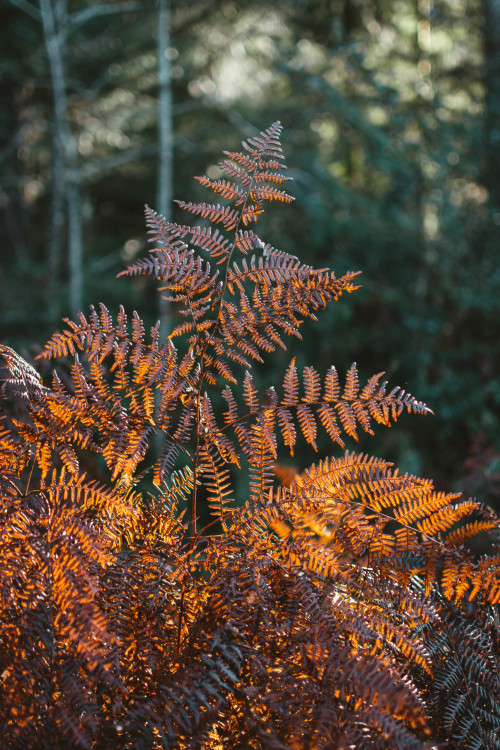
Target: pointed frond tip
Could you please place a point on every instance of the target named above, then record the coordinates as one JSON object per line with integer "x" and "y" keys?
{"x": 22, "y": 372}
{"x": 347, "y": 408}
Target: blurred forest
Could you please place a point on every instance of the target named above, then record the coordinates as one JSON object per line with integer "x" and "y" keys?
{"x": 391, "y": 115}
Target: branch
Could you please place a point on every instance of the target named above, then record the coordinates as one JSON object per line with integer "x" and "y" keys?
{"x": 96, "y": 11}
{"x": 27, "y": 8}
{"x": 110, "y": 162}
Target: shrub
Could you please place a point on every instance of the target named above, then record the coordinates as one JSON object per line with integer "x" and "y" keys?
{"x": 343, "y": 609}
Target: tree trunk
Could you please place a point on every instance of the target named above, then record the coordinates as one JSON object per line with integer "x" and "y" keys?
{"x": 65, "y": 194}
{"x": 165, "y": 154}
{"x": 165, "y": 134}
{"x": 492, "y": 100}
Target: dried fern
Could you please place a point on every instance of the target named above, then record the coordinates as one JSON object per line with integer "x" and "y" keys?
{"x": 344, "y": 609}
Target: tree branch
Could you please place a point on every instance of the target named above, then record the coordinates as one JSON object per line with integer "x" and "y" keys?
{"x": 27, "y": 8}
{"x": 81, "y": 17}
{"x": 110, "y": 162}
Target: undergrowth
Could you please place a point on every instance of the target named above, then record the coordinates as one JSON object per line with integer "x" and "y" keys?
{"x": 340, "y": 609}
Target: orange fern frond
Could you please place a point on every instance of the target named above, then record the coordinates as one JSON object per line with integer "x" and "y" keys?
{"x": 346, "y": 607}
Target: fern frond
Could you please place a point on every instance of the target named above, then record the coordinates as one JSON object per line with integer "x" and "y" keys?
{"x": 268, "y": 193}
{"x": 234, "y": 172}
{"x": 212, "y": 241}
{"x": 217, "y": 214}
{"x": 263, "y": 457}
{"x": 267, "y": 144}
{"x": 50, "y": 557}
{"x": 158, "y": 228}
{"x": 464, "y": 695}
{"x": 307, "y": 424}
{"x": 345, "y": 608}
{"x": 346, "y": 411}
{"x": 224, "y": 188}
{"x": 22, "y": 372}
{"x": 216, "y": 479}
{"x": 460, "y": 536}
{"x": 272, "y": 176}
{"x": 312, "y": 385}
{"x": 249, "y": 165}
{"x": 328, "y": 419}
{"x": 290, "y": 385}
{"x": 360, "y": 490}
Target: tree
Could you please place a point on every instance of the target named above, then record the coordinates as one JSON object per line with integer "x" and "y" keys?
{"x": 492, "y": 101}
{"x": 66, "y": 203}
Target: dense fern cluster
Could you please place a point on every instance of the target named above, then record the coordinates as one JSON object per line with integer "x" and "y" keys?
{"x": 343, "y": 609}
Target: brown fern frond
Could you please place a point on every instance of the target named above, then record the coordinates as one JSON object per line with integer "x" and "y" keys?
{"x": 335, "y": 411}
{"x": 51, "y": 554}
{"x": 272, "y": 176}
{"x": 268, "y": 193}
{"x": 22, "y": 372}
{"x": 224, "y": 188}
{"x": 159, "y": 229}
{"x": 246, "y": 240}
{"x": 307, "y": 424}
{"x": 345, "y": 608}
{"x": 362, "y": 489}
{"x": 250, "y": 393}
{"x": 281, "y": 294}
{"x": 249, "y": 165}
{"x": 351, "y": 387}
{"x": 14, "y": 453}
{"x": 251, "y": 213}
{"x": 287, "y": 427}
{"x": 323, "y": 648}
{"x": 216, "y": 478}
{"x": 460, "y": 536}
{"x": 262, "y": 460}
{"x": 266, "y": 144}
{"x": 217, "y": 214}
{"x": 290, "y": 385}
{"x": 234, "y": 172}
{"x": 212, "y": 241}
{"x": 312, "y": 385}
{"x": 214, "y": 436}
{"x": 328, "y": 419}
{"x": 463, "y": 699}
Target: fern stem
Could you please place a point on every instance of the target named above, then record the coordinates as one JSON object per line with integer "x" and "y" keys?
{"x": 50, "y": 613}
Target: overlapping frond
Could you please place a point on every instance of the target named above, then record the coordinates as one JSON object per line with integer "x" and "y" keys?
{"x": 178, "y": 598}
{"x": 23, "y": 374}
{"x": 398, "y": 523}
{"x": 274, "y": 292}
{"x": 463, "y": 697}
{"x": 55, "y": 644}
{"x": 322, "y": 402}
{"x": 314, "y": 650}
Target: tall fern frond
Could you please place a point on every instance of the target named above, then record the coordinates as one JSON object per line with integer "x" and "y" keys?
{"x": 158, "y": 590}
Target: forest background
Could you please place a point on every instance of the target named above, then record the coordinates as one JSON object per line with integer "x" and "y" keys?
{"x": 391, "y": 115}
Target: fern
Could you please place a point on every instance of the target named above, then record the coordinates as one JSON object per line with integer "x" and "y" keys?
{"x": 341, "y": 609}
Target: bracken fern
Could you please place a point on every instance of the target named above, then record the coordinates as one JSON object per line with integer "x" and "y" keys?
{"x": 342, "y": 609}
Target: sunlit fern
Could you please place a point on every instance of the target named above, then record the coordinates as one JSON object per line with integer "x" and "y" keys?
{"x": 343, "y": 610}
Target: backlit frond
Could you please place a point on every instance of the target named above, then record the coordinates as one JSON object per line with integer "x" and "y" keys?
{"x": 166, "y": 582}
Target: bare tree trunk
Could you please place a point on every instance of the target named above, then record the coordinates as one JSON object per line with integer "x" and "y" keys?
{"x": 165, "y": 154}
{"x": 75, "y": 237}
{"x": 491, "y": 10}
{"x": 58, "y": 218}
{"x": 165, "y": 132}
{"x": 65, "y": 194}
{"x": 422, "y": 62}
